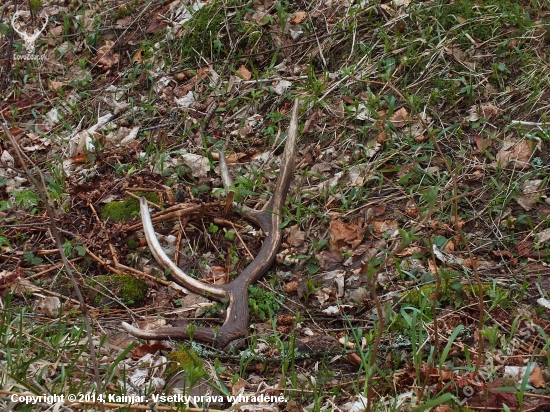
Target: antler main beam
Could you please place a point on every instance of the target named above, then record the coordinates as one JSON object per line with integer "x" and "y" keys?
{"x": 269, "y": 220}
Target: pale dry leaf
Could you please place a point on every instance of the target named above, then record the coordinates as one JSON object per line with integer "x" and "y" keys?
{"x": 384, "y": 226}
{"x": 298, "y": 17}
{"x": 244, "y": 73}
{"x": 152, "y": 324}
{"x": 282, "y": 86}
{"x": 530, "y": 195}
{"x": 334, "y": 278}
{"x": 55, "y": 85}
{"x": 401, "y": 3}
{"x": 358, "y": 405}
{"x": 331, "y": 310}
{"x": 514, "y": 151}
{"x": 48, "y": 306}
{"x": 356, "y": 174}
{"x": 8, "y": 277}
{"x": 544, "y": 235}
{"x": 400, "y": 118}
{"x": 186, "y": 101}
{"x": 544, "y": 302}
{"x": 199, "y": 165}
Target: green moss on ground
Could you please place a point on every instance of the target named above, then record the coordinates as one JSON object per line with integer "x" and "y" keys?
{"x": 129, "y": 289}
{"x": 182, "y": 359}
{"x": 121, "y": 211}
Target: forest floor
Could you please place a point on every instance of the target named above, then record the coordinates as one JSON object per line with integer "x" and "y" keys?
{"x": 414, "y": 268}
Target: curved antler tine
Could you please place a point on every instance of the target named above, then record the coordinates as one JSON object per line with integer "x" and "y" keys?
{"x": 224, "y": 170}
{"x": 201, "y": 334}
{"x": 179, "y": 275}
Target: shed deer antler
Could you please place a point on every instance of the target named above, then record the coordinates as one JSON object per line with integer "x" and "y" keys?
{"x": 269, "y": 220}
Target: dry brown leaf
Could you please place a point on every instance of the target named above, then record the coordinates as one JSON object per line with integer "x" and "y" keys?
{"x": 400, "y": 118}
{"x": 443, "y": 408}
{"x": 124, "y": 22}
{"x": 290, "y": 287}
{"x": 8, "y": 277}
{"x": 383, "y": 226}
{"x": 140, "y": 351}
{"x": 354, "y": 358}
{"x": 237, "y": 386}
{"x": 432, "y": 266}
{"x": 308, "y": 126}
{"x": 343, "y": 234}
{"x": 159, "y": 22}
{"x": 299, "y": 17}
{"x": 79, "y": 159}
{"x": 295, "y": 236}
{"x": 235, "y": 157}
{"x": 449, "y": 246}
{"x": 481, "y": 143}
{"x": 410, "y": 251}
{"x": 502, "y": 253}
{"x": 138, "y": 56}
{"x": 518, "y": 152}
{"x": 244, "y": 73}
{"x": 330, "y": 260}
{"x": 537, "y": 378}
{"x": 460, "y": 57}
{"x": 105, "y": 58}
{"x": 470, "y": 263}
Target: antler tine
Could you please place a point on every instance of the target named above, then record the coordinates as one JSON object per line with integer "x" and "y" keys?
{"x": 179, "y": 275}
{"x": 237, "y": 317}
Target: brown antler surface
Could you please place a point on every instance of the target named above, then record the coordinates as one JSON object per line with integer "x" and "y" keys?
{"x": 269, "y": 220}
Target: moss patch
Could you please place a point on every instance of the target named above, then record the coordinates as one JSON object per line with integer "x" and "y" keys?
{"x": 121, "y": 211}
{"x": 129, "y": 289}
{"x": 182, "y": 359}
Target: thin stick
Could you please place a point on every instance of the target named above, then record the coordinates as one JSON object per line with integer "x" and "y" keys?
{"x": 130, "y": 194}
{"x": 244, "y": 244}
